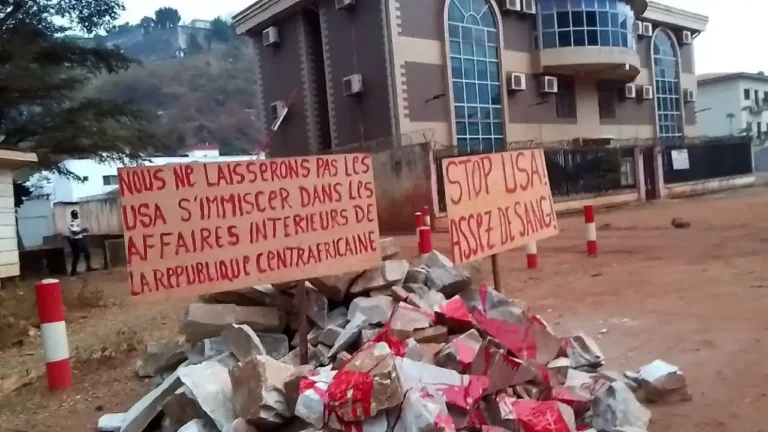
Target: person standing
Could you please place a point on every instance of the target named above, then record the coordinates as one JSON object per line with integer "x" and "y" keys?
{"x": 78, "y": 243}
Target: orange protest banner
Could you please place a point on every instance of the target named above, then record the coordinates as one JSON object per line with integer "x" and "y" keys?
{"x": 497, "y": 202}
{"x": 200, "y": 228}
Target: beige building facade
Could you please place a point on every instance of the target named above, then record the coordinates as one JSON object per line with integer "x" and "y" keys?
{"x": 477, "y": 73}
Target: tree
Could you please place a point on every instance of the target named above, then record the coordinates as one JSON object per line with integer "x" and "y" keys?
{"x": 167, "y": 17}
{"x": 221, "y": 30}
{"x": 209, "y": 97}
{"x": 147, "y": 24}
{"x": 40, "y": 109}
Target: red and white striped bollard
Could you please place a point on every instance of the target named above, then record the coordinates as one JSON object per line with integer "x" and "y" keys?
{"x": 531, "y": 253}
{"x": 591, "y": 230}
{"x": 427, "y": 214}
{"x": 53, "y": 334}
{"x": 425, "y": 240}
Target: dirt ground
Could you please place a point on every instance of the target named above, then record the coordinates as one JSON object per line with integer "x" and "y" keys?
{"x": 696, "y": 298}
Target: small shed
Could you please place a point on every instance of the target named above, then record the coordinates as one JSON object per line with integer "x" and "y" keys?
{"x": 99, "y": 213}
{"x": 10, "y": 161}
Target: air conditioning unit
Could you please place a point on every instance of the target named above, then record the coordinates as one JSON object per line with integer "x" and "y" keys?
{"x": 353, "y": 85}
{"x": 647, "y": 29}
{"x": 512, "y": 5}
{"x": 637, "y": 27}
{"x": 630, "y": 91}
{"x": 529, "y": 6}
{"x": 690, "y": 95}
{"x": 548, "y": 84}
{"x": 647, "y": 92}
{"x": 277, "y": 109}
{"x": 270, "y": 36}
{"x": 515, "y": 81}
{"x": 344, "y": 4}
{"x": 687, "y": 38}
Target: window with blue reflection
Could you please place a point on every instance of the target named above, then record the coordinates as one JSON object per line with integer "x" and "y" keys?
{"x": 666, "y": 86}
{"x": 477, "y": 92}
{"x": 578, "y": 23}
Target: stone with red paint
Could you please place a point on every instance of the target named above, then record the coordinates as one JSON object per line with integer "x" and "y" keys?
{"x": 459, "y": 354}
{"x": 424, "y": 411}
{"x": 502, "y": 370}
{"x": 377, "y": 361}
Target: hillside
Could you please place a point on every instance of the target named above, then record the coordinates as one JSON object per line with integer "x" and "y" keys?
{"x": 203, "y": 98}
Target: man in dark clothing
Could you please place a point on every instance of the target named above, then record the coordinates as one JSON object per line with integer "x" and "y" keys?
{"x": 78, "y": 244}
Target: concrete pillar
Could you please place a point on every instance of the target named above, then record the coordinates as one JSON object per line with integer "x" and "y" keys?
{"x": 661, "y": 190}
{"x": 637, "y": 154}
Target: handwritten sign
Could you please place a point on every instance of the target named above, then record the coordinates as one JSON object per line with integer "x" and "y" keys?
{"x": 497, "y": 202}
{"x": 207, "y": 227}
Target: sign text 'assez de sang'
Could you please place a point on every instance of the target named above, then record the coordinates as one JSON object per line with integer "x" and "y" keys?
{"x": 497, "y": 202}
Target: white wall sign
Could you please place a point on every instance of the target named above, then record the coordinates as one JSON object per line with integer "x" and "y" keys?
{"x": 680, "y": 160}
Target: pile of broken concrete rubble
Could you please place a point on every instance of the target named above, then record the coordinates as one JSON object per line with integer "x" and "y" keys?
{"x": 396, "y": 348}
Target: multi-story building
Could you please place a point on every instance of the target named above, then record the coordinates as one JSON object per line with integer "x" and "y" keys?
{"x": 734, "y": 104}
{"x": 479, "y": 73}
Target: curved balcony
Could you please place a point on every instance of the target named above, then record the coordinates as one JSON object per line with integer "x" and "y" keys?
{"x": 589, "y": 37}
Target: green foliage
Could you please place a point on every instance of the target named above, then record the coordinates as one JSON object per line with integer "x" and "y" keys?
{"x": 207, "y": 98}
{"x": 221, "y": 30}
{"x": 147, "y": 24}
{"x": 40, "y": 106}
{"x": 167, "y": 17}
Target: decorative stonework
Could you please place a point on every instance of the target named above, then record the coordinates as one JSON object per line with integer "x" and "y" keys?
{"x": 309, "y": 91}
{"x": 261, "y": 121}
{"x": 329, "y": 87}
{"x": 388, "y": 35}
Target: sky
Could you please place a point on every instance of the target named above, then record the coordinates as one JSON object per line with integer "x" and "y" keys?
{"x": 732, "y": 42}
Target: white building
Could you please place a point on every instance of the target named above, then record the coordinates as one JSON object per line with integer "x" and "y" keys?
{"x": 733, "y": 104}
{"x": 36, "y": 219}
{"x": 199, "y": 23}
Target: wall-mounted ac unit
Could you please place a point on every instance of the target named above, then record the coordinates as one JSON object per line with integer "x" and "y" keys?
{"x": 344, "y": 4}
{"x": 647, "y": 92}
{"x": 281, "y": 110}
{"x": 637, "y": 27}
{"x": 529, "y": 6}
{"x": 647, "y": 29}
{"x": 686, "y": 38}
{"x": 548, "y": 84}
{"x": 353, "y": 85}
{"x": 512, "y": 5}
{"x": 515, "y": 81}
{"x": 630, "y": 91}
{"x": 690, "y": 95}
{"x": 276, "y": 109}
{"x": 270, "y": 36}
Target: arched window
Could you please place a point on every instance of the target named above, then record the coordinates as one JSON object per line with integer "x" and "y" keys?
{"x": 473, "y": 44}
{"x": 666, "y": 73}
